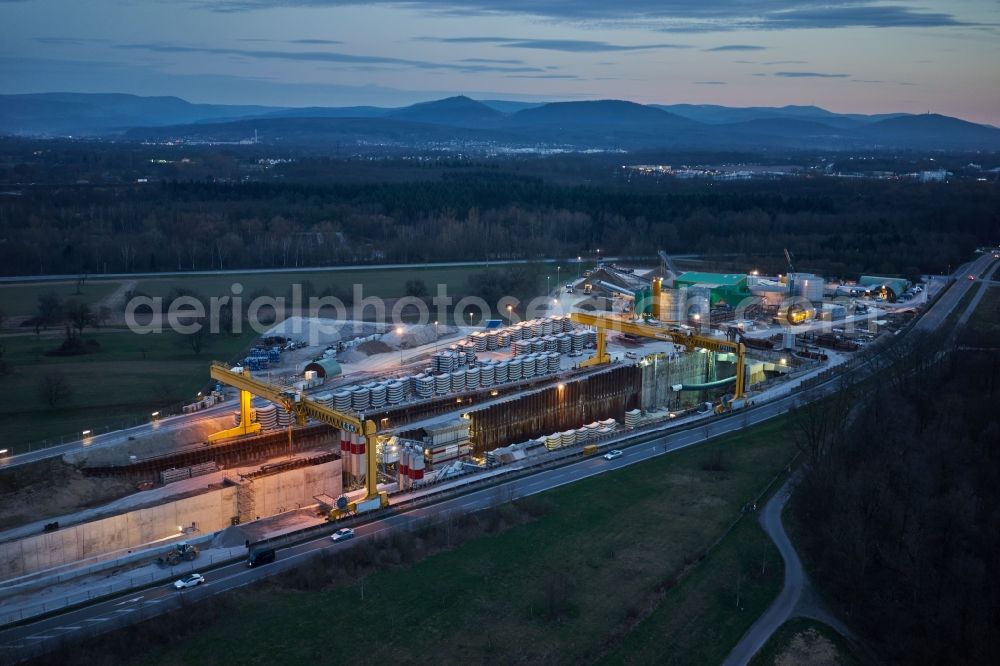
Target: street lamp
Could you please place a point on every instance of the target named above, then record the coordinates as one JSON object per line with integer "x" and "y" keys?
{"x": 548, "y": 285}
{"x": 558, "y": 279}
{"x": 470, "y": 317}
{"x": 399, "y": 333}
{"x": 579, "y": 261}
{"x": 697, "y": 321}
{"x": 510, "y": 314}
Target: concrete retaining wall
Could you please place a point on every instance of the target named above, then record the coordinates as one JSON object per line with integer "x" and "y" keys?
{"x": 296, "y": 488}
{"x": 209, "y": 511}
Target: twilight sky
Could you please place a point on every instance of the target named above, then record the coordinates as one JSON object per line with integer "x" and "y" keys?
{"x": 865, "y": 56}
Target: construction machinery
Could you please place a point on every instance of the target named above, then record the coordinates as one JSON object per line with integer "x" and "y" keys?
{"x": 304, "y": 408}
{"x": 603, "y": 324}
{"x": 181, "y": 552}
{"x": 668, "y": 264}
{"x": 794, "y": 310}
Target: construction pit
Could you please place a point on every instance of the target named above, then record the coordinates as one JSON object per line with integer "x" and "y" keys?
{"x": 446, "y": 404}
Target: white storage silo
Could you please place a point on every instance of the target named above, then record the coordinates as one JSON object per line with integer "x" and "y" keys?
{"x": 514, "y": 369}
{"x": 809, "y": 286}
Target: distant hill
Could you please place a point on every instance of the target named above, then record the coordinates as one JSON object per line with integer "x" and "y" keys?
{"x": 83, "y": 113}
{"x": 603, "y": 112}
{"x": 507, "y": 106}
{"x": 460, "y": 111}
{"x": 331, "y": 112}
{"x": 714, "y": 114}
{"x": 932, "y": 130}
{"x": 456, "y": 121}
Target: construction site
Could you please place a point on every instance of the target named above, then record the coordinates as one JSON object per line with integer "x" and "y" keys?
{"x": 295, "y": 436}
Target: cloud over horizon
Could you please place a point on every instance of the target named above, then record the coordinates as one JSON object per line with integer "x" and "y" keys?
{"x": 672, "y": 15}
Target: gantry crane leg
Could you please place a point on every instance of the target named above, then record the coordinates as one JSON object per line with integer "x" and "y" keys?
{"x": 246, "y": 426}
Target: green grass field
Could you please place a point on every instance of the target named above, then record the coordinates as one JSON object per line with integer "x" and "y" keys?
{"x": 22, "y": 299}
{"x": 805, "y": 641}
{"x": 130, "y": 376}
{"x": 983, "y": 326}
{"x": 699, "y": 622}
{"x": 389, "y": 283}
{"x": 610, "y": 545}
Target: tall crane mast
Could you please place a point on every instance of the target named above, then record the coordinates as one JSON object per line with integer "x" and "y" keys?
{"x": 603, "y": 324}
{"x": 303, "y": 408}
{"x": 791, "y": 272}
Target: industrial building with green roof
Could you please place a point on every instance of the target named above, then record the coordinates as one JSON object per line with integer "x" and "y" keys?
{"x": 728, "y": 288}
{"x": 893, "y": 286}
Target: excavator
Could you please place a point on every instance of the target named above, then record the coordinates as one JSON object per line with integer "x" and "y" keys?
{"x": 181, "y": 552}
{"x": 303, "y": 408}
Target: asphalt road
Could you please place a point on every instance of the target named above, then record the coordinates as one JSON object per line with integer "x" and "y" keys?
{"x": 42, "y": 635}
{"x": 796, "y": 580}
{"x": 37, "y": 637}
{"x": 310, "y": 269}
{"x": 782, "y": 607}
{"x": 167, "y": 424}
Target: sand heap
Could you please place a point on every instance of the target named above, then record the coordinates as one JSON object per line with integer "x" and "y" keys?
{"x": 415, "y": 335}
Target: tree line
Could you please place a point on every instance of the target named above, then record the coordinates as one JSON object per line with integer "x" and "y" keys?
{"x": 898, "y": 507}
{"x": 479, "y": 213}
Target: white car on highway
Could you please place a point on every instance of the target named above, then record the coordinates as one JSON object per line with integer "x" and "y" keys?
{"x": 611, "y": 455}
{"x": 191, "y": 580}
{"x": 342, "y": 534}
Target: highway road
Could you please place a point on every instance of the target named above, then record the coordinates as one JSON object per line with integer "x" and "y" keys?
{"x": 36, "y": 637}
{"x": 796, "y": 580}
{"x": 16, "y": 279}
{"x": 164, "y": 425}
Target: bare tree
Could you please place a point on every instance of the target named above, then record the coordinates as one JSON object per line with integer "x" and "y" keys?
{"x": 80, "y": 316}
{"x": 48, "y": 312}
{"x": 53, "y": 388}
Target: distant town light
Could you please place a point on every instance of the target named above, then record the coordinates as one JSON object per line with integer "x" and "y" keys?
{"x": 155, "y": 414}
{"x": 86, "y": 433}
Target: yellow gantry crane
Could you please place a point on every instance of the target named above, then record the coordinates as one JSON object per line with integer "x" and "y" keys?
{"x": 303, "y": 408}
{"x": 604, "y": 323}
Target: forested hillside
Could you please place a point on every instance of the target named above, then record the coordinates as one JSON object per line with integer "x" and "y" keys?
{"x": 291, "y": 217}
